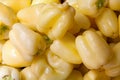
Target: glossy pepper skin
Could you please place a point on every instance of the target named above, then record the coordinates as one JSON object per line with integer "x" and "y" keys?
{"x": 93, "y": 55}
{"x": 107, "y": 23}
{"x": 12, "y": 57}
{"x": 52, "y": 19}
{"x": 22, "y": 46}
{"x": 66, "y": 49}
{"x": 47, "y": 67}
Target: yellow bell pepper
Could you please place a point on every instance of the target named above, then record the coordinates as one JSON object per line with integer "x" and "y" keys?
{"x": 47, "y": 67}
{"x": 65, "y": 48}
{"x": 93, "y": 49}
{"x": 22, "y": 46}
{"x": 16, "y": 5}
{"x": 26, "y": 41}
{"x": 9, "y": 73}
{"x": 112, "y": 68}
{"x": 7, "y": 19}
{"x": 51, "y": 19}
{"x": 96, "y": 75}
{"x": 107, "y": 23}
{"x": 12, "y": 57}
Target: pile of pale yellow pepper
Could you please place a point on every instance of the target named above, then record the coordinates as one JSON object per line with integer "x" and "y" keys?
{"x": 59, "y": 40}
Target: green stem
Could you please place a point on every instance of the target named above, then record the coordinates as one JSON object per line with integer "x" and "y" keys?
{"x": 7, "y": 77}
{"x": 3, "y": 28}
{"x": 100, "y": 3}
